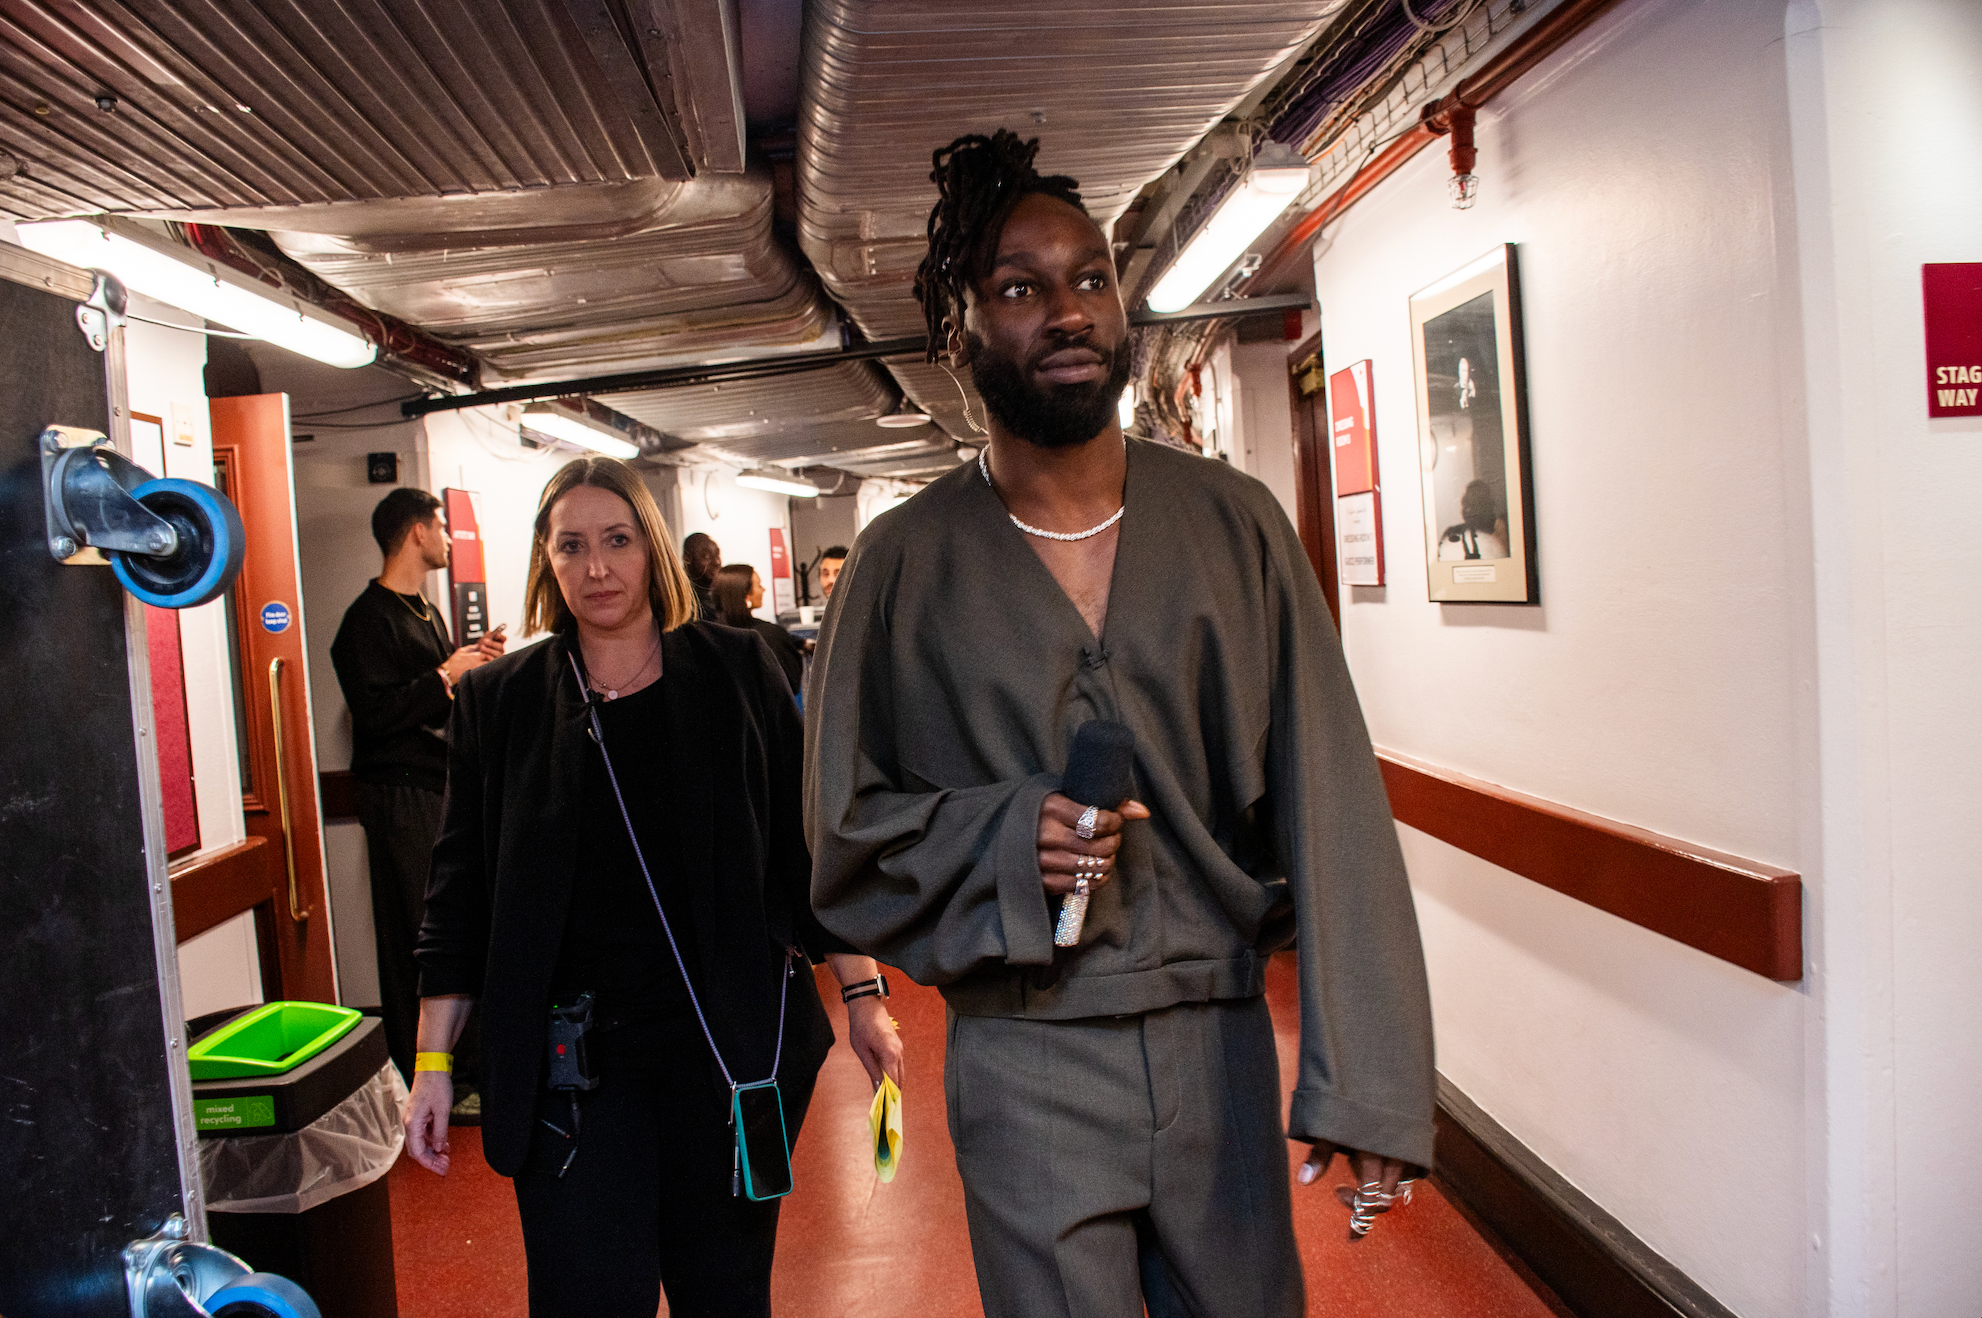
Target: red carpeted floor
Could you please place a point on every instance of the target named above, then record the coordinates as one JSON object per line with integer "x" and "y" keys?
{"x": 849, "y": 1246}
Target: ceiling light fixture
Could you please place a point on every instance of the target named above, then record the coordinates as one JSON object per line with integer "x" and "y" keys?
{"x": 1277, "y": 176}
{"x": 764, "y": 480}
{"x": 183, "y": 278}
{"x": 571, "y": 428}
{"x": 903, "y": 417}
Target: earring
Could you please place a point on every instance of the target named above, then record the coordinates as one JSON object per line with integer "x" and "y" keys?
{"x": 968, "y": 417}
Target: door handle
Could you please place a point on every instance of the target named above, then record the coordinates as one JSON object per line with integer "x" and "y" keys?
{"x": 297, "y": 911}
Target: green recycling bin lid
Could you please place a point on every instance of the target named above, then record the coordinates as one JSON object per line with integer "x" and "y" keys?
{"x": 270, "y": 1040}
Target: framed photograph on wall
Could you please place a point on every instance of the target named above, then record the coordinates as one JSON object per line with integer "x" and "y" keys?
{"x": 1473, "y": 435}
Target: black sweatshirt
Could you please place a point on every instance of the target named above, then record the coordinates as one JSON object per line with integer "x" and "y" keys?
{"x": 388, "y": 662}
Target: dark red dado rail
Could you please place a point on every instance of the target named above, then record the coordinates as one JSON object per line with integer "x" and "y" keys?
{"x": 1738, "y": 910}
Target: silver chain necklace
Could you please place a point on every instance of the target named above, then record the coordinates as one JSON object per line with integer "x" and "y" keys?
{"x": 1030, "y": 529}
{"x": 611, "y": 689}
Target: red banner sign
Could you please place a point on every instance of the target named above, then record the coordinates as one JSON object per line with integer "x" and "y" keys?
{"x": 1952, "y": 297}
{"x": 1352, "y": 430}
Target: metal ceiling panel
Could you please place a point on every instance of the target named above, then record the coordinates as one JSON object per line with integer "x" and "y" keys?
{"x": 1116, "y": 90}
{"x": 721, "y": 414}
{"x": 222, "y": 104}
{"x": 701, "y": 273}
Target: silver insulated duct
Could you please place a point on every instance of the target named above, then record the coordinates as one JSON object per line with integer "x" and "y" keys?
{"x": 1115, "y": 91}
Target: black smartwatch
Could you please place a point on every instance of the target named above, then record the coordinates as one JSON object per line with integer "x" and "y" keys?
{"x": 866, "y": 988}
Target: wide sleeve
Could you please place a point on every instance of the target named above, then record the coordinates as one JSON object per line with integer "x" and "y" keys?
{"x": 789, "y": 874}
{"x": 453, "y": 947}
{"x": 1365, "y": 1069}
{"x": 385, "y": 701}
{"x": 936, "y": 881}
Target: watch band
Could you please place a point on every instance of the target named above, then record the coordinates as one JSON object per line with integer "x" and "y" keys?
{"x": 866, "y": 988}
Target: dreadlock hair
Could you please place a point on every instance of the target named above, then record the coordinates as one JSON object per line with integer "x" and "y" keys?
{"x": 978, "y": 181}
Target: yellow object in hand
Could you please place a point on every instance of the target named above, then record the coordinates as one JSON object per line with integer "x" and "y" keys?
{"x": 884, "y": 1128}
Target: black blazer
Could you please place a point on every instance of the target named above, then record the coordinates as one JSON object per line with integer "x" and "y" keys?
{"x": 501, "y": 882}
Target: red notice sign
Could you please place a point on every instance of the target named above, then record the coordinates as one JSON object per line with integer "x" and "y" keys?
{"x": 1351, "y": 430}
{"x": 1952, "y": 297}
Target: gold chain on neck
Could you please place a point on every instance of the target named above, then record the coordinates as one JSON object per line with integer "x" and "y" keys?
{"x": 425, "y": 613}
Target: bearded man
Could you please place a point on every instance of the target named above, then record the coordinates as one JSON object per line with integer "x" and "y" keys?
{"x": 1115, "y": 1105}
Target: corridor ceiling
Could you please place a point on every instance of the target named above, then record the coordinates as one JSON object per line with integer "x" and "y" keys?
{"x": 570, "y": 187}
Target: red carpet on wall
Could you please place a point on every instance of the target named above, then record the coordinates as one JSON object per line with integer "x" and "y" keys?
{"x": 850, "y": 1246}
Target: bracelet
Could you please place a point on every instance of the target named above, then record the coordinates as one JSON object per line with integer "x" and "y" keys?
{"x": 442, "y": 1062}
{"x": 866, "y": 988}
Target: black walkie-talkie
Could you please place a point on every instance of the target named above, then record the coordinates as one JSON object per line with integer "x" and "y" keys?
{"x": 570, "y": 1064}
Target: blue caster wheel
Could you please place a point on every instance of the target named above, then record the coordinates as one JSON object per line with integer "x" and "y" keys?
{"x": 261, "y": 1295}
{"x": 210, "y": 546}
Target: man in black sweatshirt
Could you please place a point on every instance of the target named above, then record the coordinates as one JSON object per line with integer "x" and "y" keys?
{"x": 398, "y": 669}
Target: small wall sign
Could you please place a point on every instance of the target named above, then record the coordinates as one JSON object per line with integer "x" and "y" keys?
{"x": 1951, "y": 295}
{"x": 275, "y": 617}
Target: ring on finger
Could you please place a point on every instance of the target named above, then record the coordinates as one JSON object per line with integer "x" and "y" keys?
{"x": 1094, "y": 863}
{"x": 1084, "y": 826}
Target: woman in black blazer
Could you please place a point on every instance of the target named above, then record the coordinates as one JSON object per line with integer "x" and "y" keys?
{"x": 738, "y": 590}
{"x": 538, "y": 896}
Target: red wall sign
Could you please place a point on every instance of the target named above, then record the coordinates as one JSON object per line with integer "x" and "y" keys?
{"x": 465, "y": 569}
{"x": 783, "y": 597}
{"x": 1952, "y": 297}
{"x": 1350, "y": 429}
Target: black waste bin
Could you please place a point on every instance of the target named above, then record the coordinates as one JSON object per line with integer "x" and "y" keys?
{"x": 294, "y": 1168}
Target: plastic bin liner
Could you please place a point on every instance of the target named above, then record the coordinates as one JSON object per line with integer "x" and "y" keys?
{"x": 345, "y": 1149}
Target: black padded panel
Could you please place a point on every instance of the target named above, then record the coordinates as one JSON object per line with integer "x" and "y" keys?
{"x": 86, "y": 1134}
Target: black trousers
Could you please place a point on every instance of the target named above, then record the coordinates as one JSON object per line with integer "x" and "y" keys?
{"x": 646, "y": 1202}
{"x": 401, "y": 823}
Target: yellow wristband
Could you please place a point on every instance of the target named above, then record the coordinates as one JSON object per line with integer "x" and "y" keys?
{"x": 443, "y": 1062}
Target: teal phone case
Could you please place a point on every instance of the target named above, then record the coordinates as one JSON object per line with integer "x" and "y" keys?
{"x": 784, "y": 1137}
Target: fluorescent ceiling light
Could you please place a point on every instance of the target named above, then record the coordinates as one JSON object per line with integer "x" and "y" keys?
{"x": 582, "y": 431}
{"x": 183, "y": 278}
{"x": 1278, "y": 175}
{"x": 760, "y": 480}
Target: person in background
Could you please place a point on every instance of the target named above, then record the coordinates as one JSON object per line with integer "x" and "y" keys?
{"x": 667, "y": 883}
{"x": 830, "y": 564}
{"x": 398, "y": 671}
{"x": 701, "y": 556}
{"x": 739, "y": 590}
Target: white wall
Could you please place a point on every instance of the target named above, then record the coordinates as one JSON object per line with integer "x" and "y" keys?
{"x": 1887, "y": 101}
{"x": 1642, "y": 170}
{"x": 739, "y": 519}
{"x": 1262, "y": 419}
{"x": 164, "y": 371}
{"x": 163, "y": 377}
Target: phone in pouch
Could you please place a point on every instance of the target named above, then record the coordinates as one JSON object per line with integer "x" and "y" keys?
{"x": 763, "y": 1151}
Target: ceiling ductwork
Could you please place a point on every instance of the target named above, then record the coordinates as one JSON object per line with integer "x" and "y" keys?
{"x": 584, "y": 289}
{"x": 1117, "y": 92}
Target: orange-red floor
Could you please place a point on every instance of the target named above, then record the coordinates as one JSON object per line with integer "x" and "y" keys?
{"x": 848, "y": 1246}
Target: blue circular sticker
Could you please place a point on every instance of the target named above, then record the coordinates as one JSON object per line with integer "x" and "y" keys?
{"x": 275, "y": 617}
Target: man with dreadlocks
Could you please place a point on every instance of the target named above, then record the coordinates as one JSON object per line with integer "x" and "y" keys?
{"x": 1115, "y": 1105}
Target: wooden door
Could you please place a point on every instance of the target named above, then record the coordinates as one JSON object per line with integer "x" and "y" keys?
{"x": 1314, "y": 478}
{"x": 279, "y": 754}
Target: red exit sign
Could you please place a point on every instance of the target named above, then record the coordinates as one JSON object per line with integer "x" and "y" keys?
{"x": 1952, "y": 297}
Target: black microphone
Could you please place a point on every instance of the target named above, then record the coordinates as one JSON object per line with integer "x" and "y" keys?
{"x": 1101, "y": 765}
{"x": 1100, "y": 773}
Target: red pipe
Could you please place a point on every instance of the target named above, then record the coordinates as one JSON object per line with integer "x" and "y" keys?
{"x": 1528, "y": 50}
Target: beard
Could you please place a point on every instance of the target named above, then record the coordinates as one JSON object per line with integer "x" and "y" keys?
{"x": 1050, "y": 416}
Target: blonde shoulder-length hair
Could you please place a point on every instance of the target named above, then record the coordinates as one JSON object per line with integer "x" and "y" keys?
{"x": 668, "y": 588}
